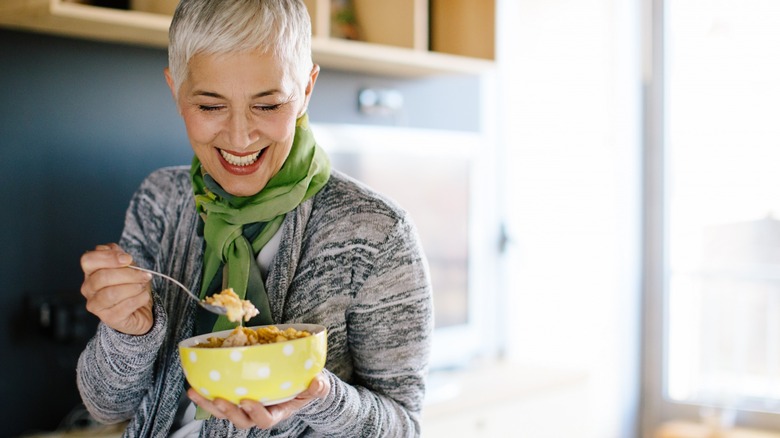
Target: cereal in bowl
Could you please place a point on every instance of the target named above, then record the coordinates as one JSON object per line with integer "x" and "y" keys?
{"x": 243, "y": 337}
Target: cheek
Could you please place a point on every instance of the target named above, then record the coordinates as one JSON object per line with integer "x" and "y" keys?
{"x": 280, "y": 128}
{"x": 199, "y": 130}
{"x": 283, "y": 138}
{"x": 286, "y": 135}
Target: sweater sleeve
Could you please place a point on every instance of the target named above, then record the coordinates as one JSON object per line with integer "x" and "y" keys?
{"x": 115, "y": 370}
{"x": 389, "y": 331}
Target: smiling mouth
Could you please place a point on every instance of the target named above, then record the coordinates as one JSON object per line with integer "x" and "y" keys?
{"x": 240, "y": 161}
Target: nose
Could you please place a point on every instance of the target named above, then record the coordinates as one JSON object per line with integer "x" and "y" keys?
{"x": 241, "y": 131}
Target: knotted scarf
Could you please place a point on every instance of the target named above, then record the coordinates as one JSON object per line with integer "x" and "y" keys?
{"x": 236, "y": 228}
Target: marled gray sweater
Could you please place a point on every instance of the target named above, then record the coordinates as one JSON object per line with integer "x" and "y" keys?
{"x": 348, "y": 259}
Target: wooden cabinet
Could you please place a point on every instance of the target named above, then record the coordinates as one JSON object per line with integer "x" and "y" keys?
{"x": 460, "y": 26}
{"x": 398, "y": 38}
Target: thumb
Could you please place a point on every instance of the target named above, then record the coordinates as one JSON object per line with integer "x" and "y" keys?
{"x": 319, "y": 387}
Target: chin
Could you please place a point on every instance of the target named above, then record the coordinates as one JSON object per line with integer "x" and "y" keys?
{"x": 243, "y": 189}
{"x": 241, "y": 185}
{"x": 242, "y": 192}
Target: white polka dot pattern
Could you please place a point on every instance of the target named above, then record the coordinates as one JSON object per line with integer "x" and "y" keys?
{"x": 270, "y": 373}
{"x": 264, "y": 372}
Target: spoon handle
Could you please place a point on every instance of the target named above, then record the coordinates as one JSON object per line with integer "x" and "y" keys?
{"x": 192, "y": 295}
{"x": 219, "y": 310}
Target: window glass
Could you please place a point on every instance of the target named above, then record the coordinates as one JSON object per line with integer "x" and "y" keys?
{"x": 722, "y": 113}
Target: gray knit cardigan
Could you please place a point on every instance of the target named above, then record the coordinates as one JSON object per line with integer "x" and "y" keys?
{"x": 349, "y": 259}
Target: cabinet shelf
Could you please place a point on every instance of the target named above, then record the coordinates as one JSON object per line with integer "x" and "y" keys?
{"x": 151, "y": 29}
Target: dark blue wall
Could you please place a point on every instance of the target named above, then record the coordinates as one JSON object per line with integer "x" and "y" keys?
{"x": 81, "y": 123}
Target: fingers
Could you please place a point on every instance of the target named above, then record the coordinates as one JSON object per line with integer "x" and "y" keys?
{"x": 319, "y": 387}
{"x": 252, "y": 413}
{"x": 262, "y": 416}
{"x": 104, "y": 256}
{"x": 119, "y": 296}
{"x": 102, "y": 269}
{"x": 268, "y": 416}
{"x": 222, "y": 409}
{"x": 120, "y": 301}
{"x": 205, "y": 403}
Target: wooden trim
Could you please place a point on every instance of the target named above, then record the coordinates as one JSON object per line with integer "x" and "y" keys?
{"x": 148, "y": 29}
{"x": 684, "y": 429}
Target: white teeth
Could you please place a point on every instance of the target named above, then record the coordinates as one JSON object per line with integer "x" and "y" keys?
{"x": 246, "y": 160}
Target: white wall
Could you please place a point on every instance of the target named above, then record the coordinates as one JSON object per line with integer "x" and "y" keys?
{"x": 569, "y": 95}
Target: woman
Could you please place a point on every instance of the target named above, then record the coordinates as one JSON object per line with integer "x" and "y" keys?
{"x": 259, "y": 210}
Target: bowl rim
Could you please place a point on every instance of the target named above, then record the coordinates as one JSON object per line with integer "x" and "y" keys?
{"x": 314, "y": 329}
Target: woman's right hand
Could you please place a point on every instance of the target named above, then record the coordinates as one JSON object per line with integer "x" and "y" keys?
{"x": 121, "y": 297}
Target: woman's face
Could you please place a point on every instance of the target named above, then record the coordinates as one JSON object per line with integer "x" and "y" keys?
{"x": 240, "y": 111}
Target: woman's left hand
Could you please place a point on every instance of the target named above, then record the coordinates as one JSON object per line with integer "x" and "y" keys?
{"x": 253, "y": 414}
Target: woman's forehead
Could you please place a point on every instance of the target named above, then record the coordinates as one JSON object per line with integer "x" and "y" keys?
{"x": 244, "y": 69}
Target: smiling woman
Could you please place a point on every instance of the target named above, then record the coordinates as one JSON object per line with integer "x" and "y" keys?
{"x": 259, "y": 211}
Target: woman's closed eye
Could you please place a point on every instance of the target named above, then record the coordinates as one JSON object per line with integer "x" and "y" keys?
{"x": 209, "y": 108}
{"x": 268, "y": 107}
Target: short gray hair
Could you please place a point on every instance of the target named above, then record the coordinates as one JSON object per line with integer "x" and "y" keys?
{"x": 280, "y": 27}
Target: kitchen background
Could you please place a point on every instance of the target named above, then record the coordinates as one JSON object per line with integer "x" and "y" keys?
{"x": 602, "y": 123}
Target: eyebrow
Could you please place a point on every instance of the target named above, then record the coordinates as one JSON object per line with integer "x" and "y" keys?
{"x": 219, "y": 96}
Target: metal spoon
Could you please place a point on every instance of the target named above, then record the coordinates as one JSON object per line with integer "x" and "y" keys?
{"x": 219, "y": 310}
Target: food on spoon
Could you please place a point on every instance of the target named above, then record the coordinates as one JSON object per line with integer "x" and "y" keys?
{"x": 242, "y": 337}
{"x": 237, "y": 309}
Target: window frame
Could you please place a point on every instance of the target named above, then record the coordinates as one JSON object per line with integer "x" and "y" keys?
{"x": 656, "y": 407}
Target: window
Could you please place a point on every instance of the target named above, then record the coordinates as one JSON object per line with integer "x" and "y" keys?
{"x": 716, "y": 353}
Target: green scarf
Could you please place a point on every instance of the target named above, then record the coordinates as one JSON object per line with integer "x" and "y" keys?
{"x": 236, "y": 228}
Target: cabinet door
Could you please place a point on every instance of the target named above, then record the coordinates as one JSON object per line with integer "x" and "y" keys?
{"x": 397, "y": 23}
{"x": 463, "y": 27}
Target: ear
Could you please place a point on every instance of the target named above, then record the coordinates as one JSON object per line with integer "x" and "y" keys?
{"x": 169, "y": 80}
{"x": 315, "y": 72}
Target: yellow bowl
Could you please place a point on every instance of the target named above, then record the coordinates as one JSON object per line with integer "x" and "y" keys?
{"x": 269, "y": 373}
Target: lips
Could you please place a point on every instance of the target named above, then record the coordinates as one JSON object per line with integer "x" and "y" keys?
{"x": 241, "y": 164}
{"x": 240, "y": 160}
